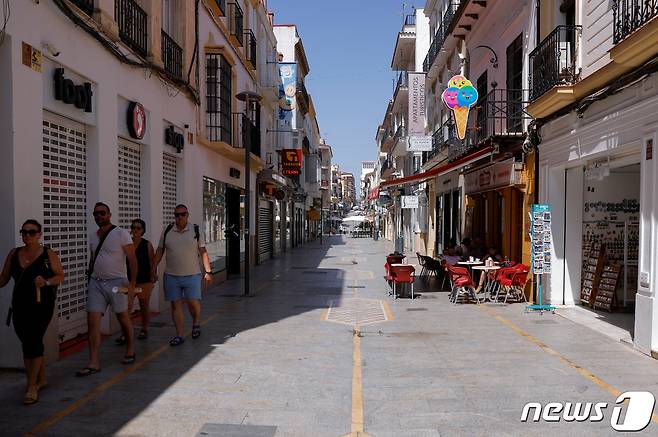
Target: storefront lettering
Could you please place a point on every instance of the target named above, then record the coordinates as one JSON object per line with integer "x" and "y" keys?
{"x": 71, "y": 94}
{"x": 174, "y": 138}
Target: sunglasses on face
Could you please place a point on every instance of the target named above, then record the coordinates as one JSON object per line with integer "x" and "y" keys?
{"x": 100, "y": 213}
{"x": 30, "y": 232}
{"x": 180, "y": 214}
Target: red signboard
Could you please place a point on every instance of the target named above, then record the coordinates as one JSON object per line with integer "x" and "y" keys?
{"x": 291, "y": 162}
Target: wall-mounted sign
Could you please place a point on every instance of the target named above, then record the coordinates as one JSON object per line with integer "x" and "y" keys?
{"x": 313, "y": 214}
{"x": 291, "y": 162}
{"x": 31, "y": 57}
{"x": 174, "y": 138}
{"x": 72, "y": 94}
{"x": 501, "y": 174}
{"x": 136, "y": 119}
{"x": 459, "y": 97}
{"x": 234, "y": 173}
{"x": 416, "y": 103}
{"x": 409, "y": 202}
{"x": 419, "y": 143}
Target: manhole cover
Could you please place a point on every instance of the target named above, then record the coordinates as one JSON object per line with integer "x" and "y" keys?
{"x": 222, "y": 430}
{"x": 416, "y": 309}
{"x": 353, "y": 310}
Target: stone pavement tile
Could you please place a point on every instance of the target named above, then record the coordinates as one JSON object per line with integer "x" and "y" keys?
{"x": 411, "y": 432}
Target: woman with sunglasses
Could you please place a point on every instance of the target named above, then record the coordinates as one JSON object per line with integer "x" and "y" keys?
{"x": 144, "y": 253}
{"x": 36, "y": 271}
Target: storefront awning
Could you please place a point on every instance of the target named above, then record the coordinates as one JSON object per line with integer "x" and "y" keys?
{"x": 438, "y": 171}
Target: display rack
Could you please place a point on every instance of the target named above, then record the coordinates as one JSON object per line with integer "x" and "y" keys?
{"x": 592, "y": 268}
{"x": 606, "y": 296}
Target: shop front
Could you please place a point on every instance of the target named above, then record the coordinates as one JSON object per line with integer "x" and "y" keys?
{"x": 494, "y": 208}
{"x": 447, "y": 212}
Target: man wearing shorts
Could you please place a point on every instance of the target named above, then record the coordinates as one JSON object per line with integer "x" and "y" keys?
{"x": 108, "y": 273}
{"x": 183, "y": 244}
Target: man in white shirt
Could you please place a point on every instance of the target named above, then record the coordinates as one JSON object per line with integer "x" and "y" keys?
{"x": 184, "y": 244}
{"x": 107, "y": 274}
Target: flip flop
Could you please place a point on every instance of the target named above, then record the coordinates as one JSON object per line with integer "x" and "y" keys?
{"x": 86, "y": 371}
{"x": 196, "y": 331}
{"x": 176, "y": 341}
{"x": 129, "y": 359}
{"x": 31, "y": 398}
{"x": 143, "y": 335}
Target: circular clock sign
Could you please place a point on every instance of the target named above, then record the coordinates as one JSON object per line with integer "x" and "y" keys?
{"x": 136, "y": 120}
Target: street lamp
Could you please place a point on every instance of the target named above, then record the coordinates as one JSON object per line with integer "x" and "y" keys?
{"x": 248, "y": 97}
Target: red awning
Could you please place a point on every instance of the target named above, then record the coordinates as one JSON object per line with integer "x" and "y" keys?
{"x": 438, "y": 171}
{"x": 374, "y": 193}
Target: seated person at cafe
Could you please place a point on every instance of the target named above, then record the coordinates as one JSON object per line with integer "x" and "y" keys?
{"x": 450, "y": 256}
{"x": 464, "y": 249}
{"x": 495, "y": 256}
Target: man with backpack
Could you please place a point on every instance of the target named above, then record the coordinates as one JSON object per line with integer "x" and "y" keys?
{"x": 183, "y": 244}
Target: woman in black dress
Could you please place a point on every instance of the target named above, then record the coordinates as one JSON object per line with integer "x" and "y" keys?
{"x": 36, "y": 271}
{"x": 144, "y": 253}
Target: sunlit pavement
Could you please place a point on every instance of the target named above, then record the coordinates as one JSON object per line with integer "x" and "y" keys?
{"x": 280, "y": 363}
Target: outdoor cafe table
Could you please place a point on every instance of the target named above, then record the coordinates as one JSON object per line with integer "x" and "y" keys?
{"x": 487, "y": 269}
{"x": 470, "y": 264}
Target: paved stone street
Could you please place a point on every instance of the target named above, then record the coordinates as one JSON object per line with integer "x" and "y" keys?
{"x": 273, "y": 365}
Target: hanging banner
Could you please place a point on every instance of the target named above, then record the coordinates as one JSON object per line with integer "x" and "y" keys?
{"x": 287, "y": 93}
{"x": 416, "y": 104}
{"x": 291, "y": 162}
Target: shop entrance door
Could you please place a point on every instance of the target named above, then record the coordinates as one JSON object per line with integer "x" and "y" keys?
{"x": 233, "y": 231}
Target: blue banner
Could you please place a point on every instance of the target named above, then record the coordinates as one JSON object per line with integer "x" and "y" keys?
{"x": 287, "y": 93}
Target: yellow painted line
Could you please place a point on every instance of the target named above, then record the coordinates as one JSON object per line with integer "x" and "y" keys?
{"x": 100, "y": 389}
{"x": 325, "y": 314}
{"x": 549, "y": 350}
{"x": 387, "y": 310}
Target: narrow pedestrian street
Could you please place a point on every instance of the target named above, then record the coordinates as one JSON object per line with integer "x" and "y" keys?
{"x": 285, "y": 362}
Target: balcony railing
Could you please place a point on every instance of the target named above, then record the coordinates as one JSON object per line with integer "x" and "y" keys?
{"x": 410, "y": 20}
{"x": 245, "y": 133}
{"x": 86, "y": 6}
{"x": 250, "y": 48}
{"x": 132, "y": 25}
{"x": 403, "y": 80}
{"x": 553, "y": 61}
{"x": 235, "y": 20}
{"x": 448, "y": 16}
{"x": 500, "y": 114}
{"x": 221, "y": 4}
{"x": 172, "y": 56}
{"x": 400, "y": 132}
{"x": 630, "y": 15}
{"x": 445, "y": 135}
{"x": 434, "y": 49}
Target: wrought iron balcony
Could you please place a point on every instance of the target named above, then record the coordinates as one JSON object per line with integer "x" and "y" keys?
{"x": 235, "y": 21}
{"x": 630, "y": 15}
{"x": 132, "y": 25}
{"x": 553, "y": 61}
{"x": 172, "y": 56}
{"x": 245, "y": 132}
{"x": 250, "y": 48}
{"x": 445, "y": 135}
{"x": 221, "y": 4}
{"x": 400, "y": 132}
{"x": 410, "y": 20}
{"x": 434, "y": 49}
{"x": 86, "y": 6}
{"x": 448, "y": 16}
{"x": 403, "y": 79}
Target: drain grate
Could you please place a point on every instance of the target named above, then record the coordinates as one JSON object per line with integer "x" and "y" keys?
{"x": 416, "y": 309}
{"x": 352, "y": 310}
{"x": 225, "y": 430}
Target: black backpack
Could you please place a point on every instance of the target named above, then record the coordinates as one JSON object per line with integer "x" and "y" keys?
{"x": 170, "y": 227}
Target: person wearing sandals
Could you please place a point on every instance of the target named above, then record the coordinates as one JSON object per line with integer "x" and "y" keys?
{"x": 183, "y": 244}
{"x": 110, "y": 246}
{"x": 145, "y": 278}
{"x": 36, "y": 271}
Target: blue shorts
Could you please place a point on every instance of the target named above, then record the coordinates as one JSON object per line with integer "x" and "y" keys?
{"x": 182, "y": 287}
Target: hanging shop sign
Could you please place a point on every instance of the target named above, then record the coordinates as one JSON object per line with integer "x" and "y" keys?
{"x": 287, "y": 93}
{"x": 416, "y": 103}
{"x": 72, "y": 94}
{"x": 419, "y": 143}
{"x": 174, "y": 138}
{"x": 409, "y": 202}
{"x": 136, "y": 120}
{"x": 460, "y": 97}
{"x": 502, "y": 174}
{"x": 291, "y": 162}
{"x": 280, "y": 195}
{"x": 313, "y": 214}
{"x": 541, "y": 237}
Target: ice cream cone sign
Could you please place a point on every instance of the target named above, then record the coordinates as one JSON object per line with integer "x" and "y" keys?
{"x": 460, "y": 96}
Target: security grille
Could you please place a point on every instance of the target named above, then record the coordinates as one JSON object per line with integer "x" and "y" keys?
{"x": 65, "y": 216}
{"x": 130, "y": 176}
{"x": 169, "y": 193}
{"x": 265, "y": 217}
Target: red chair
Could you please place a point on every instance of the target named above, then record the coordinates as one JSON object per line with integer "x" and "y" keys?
{"x": 462, "y": 283}
{"x": 403, "y": 274}
{"x": 500, "y": 275}
{"x": 390, "y": 260}
{"x": 514, "y": 281}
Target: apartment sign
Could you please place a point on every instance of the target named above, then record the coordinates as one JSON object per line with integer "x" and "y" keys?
{"x": 409, "y": 202}
{"x": 416, "y": 103}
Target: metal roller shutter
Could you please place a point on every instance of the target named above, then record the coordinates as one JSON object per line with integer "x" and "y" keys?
{"x": 130, "y": 176}
{"x": 265, "y": 219}
{"x": 169, "y": 191}
{"x": 65, "y": 216}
